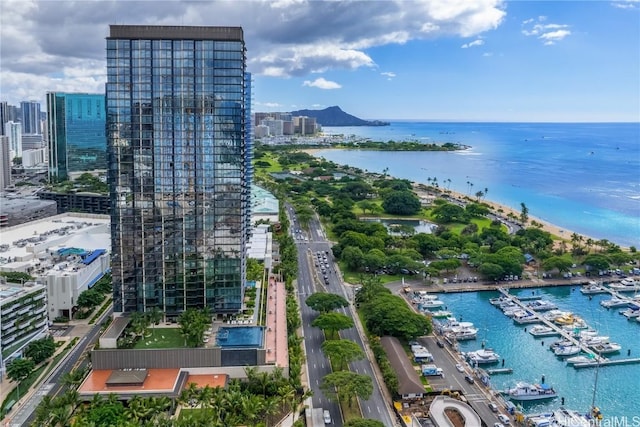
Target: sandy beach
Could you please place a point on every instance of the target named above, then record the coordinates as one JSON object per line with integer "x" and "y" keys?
{"x": 559, "y": 232}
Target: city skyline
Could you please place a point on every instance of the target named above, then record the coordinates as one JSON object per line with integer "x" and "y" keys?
{"x": 421, "y": 60}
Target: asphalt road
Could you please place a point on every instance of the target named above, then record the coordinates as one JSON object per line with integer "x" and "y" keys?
{"x": 310, "y": 280}
{"x": 52, "y": 385}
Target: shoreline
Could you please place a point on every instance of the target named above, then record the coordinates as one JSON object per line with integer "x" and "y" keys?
{"x": 562, "y": 234}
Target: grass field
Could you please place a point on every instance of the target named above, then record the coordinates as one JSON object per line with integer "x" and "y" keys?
{"x": 161, "y": 338}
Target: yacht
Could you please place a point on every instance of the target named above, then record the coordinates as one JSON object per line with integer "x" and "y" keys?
{"x": 542, "y": 305}
{"x": 593, "y": 288}
{"x": 554, "y": 314}
{"x": 526, "y": 391}
{"x": 483, "y": 356}
{"x": 615, "y": 302}
{"x": 565, "y": 319}
{"x": 560, "y": 343}
{"x": 625, "y": 285}
{"x": 440, "y": 314}
{"x": 543, "y": 331}
{"x": 606, "y": 348}
{"x": 630, "y": 312}
{"x": 460, "y": 330}
{"x": 512, "y": 311}
{"x": 578, "y": 359}
{"x": 569, "y": 418}
{"x": 499, "y": 300}
{"x": 570, "y": 350}
{"x": 591, "y": 341}
{"x": 431, "y": 303}
{"x": 526, "y": 318}
{"x": 578, "y": 323}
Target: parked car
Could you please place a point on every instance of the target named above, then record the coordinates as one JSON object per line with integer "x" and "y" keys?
{"x": 493, "y": 407}
{"x": 469, "y": 379}
{"x": 459, "y": 367}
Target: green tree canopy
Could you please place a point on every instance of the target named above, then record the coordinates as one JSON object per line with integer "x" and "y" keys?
{"x": 561, "y": 263}
{"x": 40, "y": 350}
{"x": 596, "y": 261}
{"x": 346, "y": 386}
{"x": 363, "y": 422}
{"x": 342, "y": 352}
{"x": 390, "y": 315}
{"x": 193, "y": 323}
{"x": 325, "y": 302}
{"x": 19, "y": 369}
{"x": 353, "y": 257}
{"x": 331, "y": 323}
{"x": 449, "y": 212}
{"x": 401, "y": 203}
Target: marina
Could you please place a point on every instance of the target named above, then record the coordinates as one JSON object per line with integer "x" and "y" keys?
{"x": 528, "y": 357}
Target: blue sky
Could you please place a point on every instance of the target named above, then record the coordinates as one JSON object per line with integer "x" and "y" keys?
{"x": 486, "y": 60}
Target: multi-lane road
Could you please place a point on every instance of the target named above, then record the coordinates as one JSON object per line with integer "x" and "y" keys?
{"x": 52, "y": 385}
{"x": 310, "y": 242}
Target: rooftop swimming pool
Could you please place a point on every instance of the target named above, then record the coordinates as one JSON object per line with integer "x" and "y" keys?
{"x": 240, "y": 337}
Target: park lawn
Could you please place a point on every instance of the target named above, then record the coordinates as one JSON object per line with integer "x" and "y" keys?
{"x": 161, "y": 338}
{"x": 354, "y": 277}
{"x": 482, "y": 223}
{"x": 351, "y": 413}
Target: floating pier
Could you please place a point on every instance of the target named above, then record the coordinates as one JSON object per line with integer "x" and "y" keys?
{"x": 496, "y": 371}
{"x": 607, "y": 362}
{"x": 563, "y": 333}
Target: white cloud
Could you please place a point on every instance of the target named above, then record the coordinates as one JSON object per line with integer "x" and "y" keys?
{"x": 487, "y": 54}
{"x": 626, "y": 4}
{"x": 554, "y": 36}
{"x": 321, "y": 83}
{"x": 389, "y": 74}
{"x": 317, "y": 105}
{"x": 284, "y": 38}
{"x": 477, "y": 42}
{"x": 548, "y": 33}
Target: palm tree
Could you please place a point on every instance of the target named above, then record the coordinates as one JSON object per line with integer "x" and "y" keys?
{"x": 137, "y": 409}
{"x": 155, "y": 316}
{"x": 252, "y": 407}
{"x": 61, "y": 416}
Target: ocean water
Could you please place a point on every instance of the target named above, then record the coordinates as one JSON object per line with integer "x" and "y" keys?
{"x": 617, "y": 388}
{"x": 584, "y": 177}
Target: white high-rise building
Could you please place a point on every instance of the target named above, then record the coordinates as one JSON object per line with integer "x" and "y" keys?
{"x": 13, "y": 130}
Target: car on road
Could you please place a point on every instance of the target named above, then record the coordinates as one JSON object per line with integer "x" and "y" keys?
{"x": 440, "y": 344}
{"x": 504, "y": 419}
{"x": 493, "y": 407}
{"x": 459, "y": 367}
{"x": 469, "y": 379}
{"x": 326, "y": 416}
{"x": 498, "y": 425}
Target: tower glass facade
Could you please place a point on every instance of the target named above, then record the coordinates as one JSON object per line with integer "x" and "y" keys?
{"x": 30, "y": 117}
{"x": 177, "y": 167}
{"x": 77, "y": 133}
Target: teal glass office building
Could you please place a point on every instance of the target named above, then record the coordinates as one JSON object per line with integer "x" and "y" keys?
{"x": 178, "y": 167}
{"x": 77, "y": 133}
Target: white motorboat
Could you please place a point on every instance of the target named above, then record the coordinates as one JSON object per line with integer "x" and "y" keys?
{"x": 591, "y": 341}
{"x": 554, "y": 314}
{"x": 460, "y": 330}
{"x": 578, "y": 359}
{"x": 625, "y": 285}
{"x": 525, "y": 391}
{"x": 569, "y": 418}
{"x": 606, "y": 348}
{"x": 560, "y": 343}
{"x": 435, "y": 303}
{"x": 483, "y": 356}
{"x": 512, "y": 311}
{"x": 630, "y": 313}
{"x": 526, "y": 319}
{"x": 593, "y": 288}
{"x": 440, "y": 314}
{"x": 543, "y": 331}
{"x": 570, "y": 350}
{"x": 499, "y": 300}
{"x": 615, "y": 302}
{"x": 542, "y": 305}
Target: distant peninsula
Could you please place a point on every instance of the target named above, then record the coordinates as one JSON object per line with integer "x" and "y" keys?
{"x": 334, "y": 116}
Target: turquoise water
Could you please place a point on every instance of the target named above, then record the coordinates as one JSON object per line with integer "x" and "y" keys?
{"x": 618, "y": 387}
{"x": 580, "y": 176}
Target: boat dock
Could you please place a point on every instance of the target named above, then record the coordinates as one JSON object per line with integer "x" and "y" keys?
{"x": 597, "y": 360}
{"x": 607, "y": 362}
{"x": 496, "y": 371}
{"x": 563, "y": 333}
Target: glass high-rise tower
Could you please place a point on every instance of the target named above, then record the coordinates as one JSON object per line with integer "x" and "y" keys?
{"x": 178, "y": 173}
{"x": 77, "y": 133}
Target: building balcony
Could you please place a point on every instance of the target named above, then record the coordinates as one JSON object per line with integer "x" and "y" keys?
{"x": 8, "y": 340}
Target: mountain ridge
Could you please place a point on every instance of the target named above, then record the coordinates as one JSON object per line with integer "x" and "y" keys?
{"x": 335, "y": 116}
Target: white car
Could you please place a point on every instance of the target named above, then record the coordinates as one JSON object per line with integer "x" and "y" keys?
{"x": 459, "y": 367}
{"x": 504, "y": 419}
{"x": 327, "y": 416}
